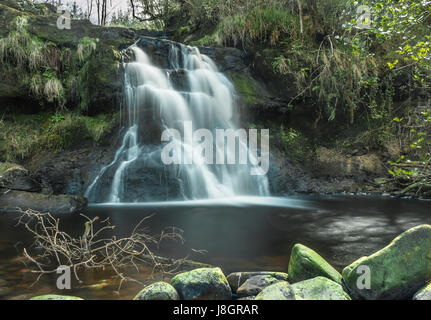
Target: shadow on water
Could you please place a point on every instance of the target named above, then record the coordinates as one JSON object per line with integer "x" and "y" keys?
{"x": 238, "y": 234}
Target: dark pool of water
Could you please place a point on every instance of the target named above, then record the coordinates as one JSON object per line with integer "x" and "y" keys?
{"x": 242, "y": 234}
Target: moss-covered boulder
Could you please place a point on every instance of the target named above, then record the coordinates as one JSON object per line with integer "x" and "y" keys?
{"x": 158, "y": 291}
{"x": 305, "y": 264}
{"x": 319, "y": 288}
{"x": 255, "y": 285}
{"x": 55, "y": 297}
{"x": 278, "y": 291}
{"x": 237, "y": 279}
{"x": 202, "y": 284}
{"x": 424, "y": 293}
{"x": 395, "y": 272}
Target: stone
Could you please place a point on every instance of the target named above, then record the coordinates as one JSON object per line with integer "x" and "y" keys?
{"x": 18, "y": 178}
{"x": 255, "y": 285}
{"x": 202, "y": 284}
{"x": 278, "y": 291}
{"x": 396, "y": 271}
{"x": 305, "y": 264}
{"x": 236, "y": 279}
{"x": 55, "y": 297}
{"x": 319, "y": 288}
{"x": 424, "y": 293}
{"x": 158, "y": 291}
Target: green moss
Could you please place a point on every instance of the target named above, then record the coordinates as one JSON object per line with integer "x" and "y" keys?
{"x": 202, "y": 284}
{"x": 246, "y": 88}
{"x": 158, "y": 291}
{"x": 22, "y": 135}
{"x": 278, "y": 291}
{"x": 319, "y": 288}
{"x": 305, "y": 263}
{"x": 5, "y": 166}
{"x": 398, "y": 270}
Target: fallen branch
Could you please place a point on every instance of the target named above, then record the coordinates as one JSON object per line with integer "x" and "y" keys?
{"x": 94, "y": 250}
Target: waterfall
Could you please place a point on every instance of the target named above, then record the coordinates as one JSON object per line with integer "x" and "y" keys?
{"x": 154, "y": 102}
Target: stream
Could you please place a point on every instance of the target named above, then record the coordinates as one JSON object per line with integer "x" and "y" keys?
{"x": 237, "y": 234}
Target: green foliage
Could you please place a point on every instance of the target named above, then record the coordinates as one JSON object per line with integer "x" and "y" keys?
{"x": 265, "y": 25}
{"x": 21, "y": 136}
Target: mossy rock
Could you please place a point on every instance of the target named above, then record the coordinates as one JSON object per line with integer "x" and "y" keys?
{"x": 424, "y": 293}
{"x": 319, "y": 288}
{"x": 305, "y": 264}
{"x": 246, "y": 87}
{"x": 237, "y": 279}
{"x": 158, "y": 291}
{"x": 202, "y": 284}
{"x": 396, "y": 271}
{"x": 254, "y": 285}
{"x": 55, "y": 297}
{"x": 278, "y": 291}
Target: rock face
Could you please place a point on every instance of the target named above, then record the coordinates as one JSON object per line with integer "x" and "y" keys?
{"x": 18, "y": 178}
{"x": 424, "y": 293}
{"x": 334, "y": 164}
{"x": 279, "y": 291}
{"x": 319, "y": 288}
{"x": 255, "y": 285}
{"x": 158, "y": 291}
{"x": 202, "y": 284}
{"x": 236, "y": 279}
{"x": 11, "y": 200}
{"x": 55, "y": 297}
{"x": 305, "y": 264}
{"x": 395, "y": 272}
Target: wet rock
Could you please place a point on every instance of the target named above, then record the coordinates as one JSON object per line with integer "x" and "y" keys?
{"x": 319, "y": 288}
{"x": 305, "y": 264}
{"x": 55, "y": 297}
{"x": 12, "y": 201}
{"x": 396, "y": 271}
{"x": 279, "y": 291}
{"x": 236, "y": 279}
{"x": 255, "y": 285}
{"x": 424, "y": 293}
{"x": 202, "y": 284}
{"x": 18, "y": 178}
{"x": 158, "y": 291}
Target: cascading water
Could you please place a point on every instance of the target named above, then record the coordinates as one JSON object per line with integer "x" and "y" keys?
{"x": 153, "y": 103}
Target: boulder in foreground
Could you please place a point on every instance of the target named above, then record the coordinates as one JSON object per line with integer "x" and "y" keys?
{"x": 396, "y": 271}
{"x": 255, "y": 285}
{"x": 12, "y": 200}
{"x": 55, "y": 297}
{"x": 158, "y": 291}
{"x": 319, "y": 288}
{"x": 279, "y": 291}
{"x": 237, "y": 279}
{"x": 202, "y": 284}
{"x": 424, "y": 293}
{"x": 305, "y": 264}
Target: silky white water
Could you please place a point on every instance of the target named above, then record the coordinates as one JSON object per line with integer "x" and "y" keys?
{"x": 153, "y": 104}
